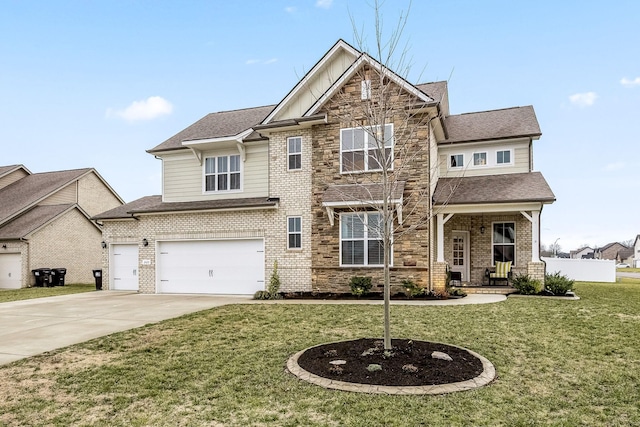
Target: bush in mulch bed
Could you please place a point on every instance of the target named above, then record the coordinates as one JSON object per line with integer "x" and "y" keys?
{"x": 367, "y": 296}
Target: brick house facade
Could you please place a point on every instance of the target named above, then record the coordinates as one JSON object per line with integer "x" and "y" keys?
{"x": 464, "y": 194}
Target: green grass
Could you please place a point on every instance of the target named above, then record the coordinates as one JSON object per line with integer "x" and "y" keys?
{"x": 559, "y": 362}
{"x": 628, "y": 270}
{"x": 7, "y": 295}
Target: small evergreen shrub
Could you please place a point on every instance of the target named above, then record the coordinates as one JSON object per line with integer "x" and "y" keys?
{"x": 274, "y": 283}
{"x": 411, "y": 289}
{"x": 557, "y": 284}
{"x": 261, "y": 295}
{"x": 526, "y": 285}
{"x": 360, "y": 285}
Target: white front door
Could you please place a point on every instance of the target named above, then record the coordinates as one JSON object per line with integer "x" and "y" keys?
{"x": 460, "y": 256}
{"x": 10, "y": 271}
{"x": 124, "y": 267}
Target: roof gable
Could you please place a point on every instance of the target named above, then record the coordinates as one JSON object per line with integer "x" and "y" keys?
{"x": 25, "y": 193}
{"x": 32, "y": 220}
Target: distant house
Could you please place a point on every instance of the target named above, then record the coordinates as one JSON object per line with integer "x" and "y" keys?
{"x": 615, "y": 251}
{"x": 636, "y": 252}
{"x": 582, "y": 253}
{"x": 45, "y": 223}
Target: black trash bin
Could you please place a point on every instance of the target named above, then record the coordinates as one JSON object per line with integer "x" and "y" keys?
{"x": 97, "y": 274}
{"x": 57, "y": 276}
{"x": 43, "y": 276}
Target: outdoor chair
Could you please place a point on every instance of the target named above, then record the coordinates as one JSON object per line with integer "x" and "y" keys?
{"x": 502, "y": 271}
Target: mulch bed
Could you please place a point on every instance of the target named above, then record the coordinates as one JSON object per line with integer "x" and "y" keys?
{"x": 372, "y": 296}
{"x": 410, "y": 364}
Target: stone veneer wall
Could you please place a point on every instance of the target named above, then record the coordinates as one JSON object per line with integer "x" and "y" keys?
{"x": 411, "y": 252}
{"x": 481, "y": 252}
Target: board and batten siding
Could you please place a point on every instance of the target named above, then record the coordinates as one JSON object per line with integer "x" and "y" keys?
{"x": 521, "y": 162}
{"x": 183, "y": 176}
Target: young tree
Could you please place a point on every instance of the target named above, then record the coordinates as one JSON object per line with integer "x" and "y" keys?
{"x": 392, "y": 134}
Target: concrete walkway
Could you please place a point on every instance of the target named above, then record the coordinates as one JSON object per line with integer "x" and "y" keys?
{"x": 35, "y": 326}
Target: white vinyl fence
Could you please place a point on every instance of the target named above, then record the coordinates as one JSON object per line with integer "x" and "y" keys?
{"x": 583, "y": 270}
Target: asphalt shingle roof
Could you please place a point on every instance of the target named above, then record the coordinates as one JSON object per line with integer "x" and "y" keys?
{"x": 31, "y": 221}
{"x": 32, "y": 188}
{"x": 217, "y": 125}
{"x": 495, "y": 124}
{"x": 506, "y": 188}
{"x": 154, "y": 204}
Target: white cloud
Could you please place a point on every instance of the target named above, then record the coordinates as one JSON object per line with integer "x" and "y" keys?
{"x": 586, "y": 99}
{"x": 271, "y": 61}
{"x": 290, "y": 9}
{"x": 147, "y": 109}
{"x": 612, "y": 167}
{"x": 630, "y": 83}
{"x": 252, "y": 61}
{"x": 325, "y": 4}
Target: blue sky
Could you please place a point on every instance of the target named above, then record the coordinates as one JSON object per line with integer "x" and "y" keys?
{"x": 95, "y": 84}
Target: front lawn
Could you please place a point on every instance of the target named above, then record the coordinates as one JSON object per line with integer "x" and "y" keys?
{"x": 7, "y": 295}
{"x": 558, "y": 362}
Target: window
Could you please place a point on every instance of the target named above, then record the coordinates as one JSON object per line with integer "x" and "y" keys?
{"x": 479, "y": 159}
{"x": 359, "y": 148}
{"x": 294, "y": 153}
{"x": 457, "y": 160}
{"x": 294, "y": 232}
{"x": 222, "y": 173}
{"x": 504, "y": 242}
{"x": 361, "y": 239}
{"x": 365, "y": 89}
{"x": 503, "y": 157}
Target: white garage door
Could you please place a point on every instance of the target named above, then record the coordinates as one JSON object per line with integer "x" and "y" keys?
{"x": 10, "y": 271}
{"x": 211, "y": 267}
{"x": 124, "y": 267}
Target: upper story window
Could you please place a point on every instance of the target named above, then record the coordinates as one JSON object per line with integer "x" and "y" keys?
{"x": 504, "y": 242}
{"x": 294, "y": 153}
{"x": 222, "y": 173}
{"x": 359, "y": 151}
{"x": 503, "y": 157}
{"x": 479, "y": 159}
{"x": 456, "y": 160}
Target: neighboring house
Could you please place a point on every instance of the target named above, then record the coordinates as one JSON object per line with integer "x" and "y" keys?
{"x": 45, "y": 222}
{"x": 636, "y": 252}
{"x": 582, "y": 253}
{"x": 615, "y": 251}
{"x": 294, "y": 182}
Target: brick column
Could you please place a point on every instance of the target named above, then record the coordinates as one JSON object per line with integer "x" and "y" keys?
{"x": 536, "y": 270}
{"x": 439, "y": 276}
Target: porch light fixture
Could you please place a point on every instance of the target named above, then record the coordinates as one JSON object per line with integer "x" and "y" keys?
{"x": 482, "y": 229}
{"x": 103, "y": 244}
{"x": 4, "y": 246}
{"x": 145, "y": 242}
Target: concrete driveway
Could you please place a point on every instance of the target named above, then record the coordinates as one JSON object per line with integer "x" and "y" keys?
{"x": 35, "y": 326}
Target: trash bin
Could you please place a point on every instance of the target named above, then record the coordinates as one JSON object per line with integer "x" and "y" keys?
{"x": 97, "y": 274}
{"x": 57, "y": 276}
{"x": 43, "y": 276}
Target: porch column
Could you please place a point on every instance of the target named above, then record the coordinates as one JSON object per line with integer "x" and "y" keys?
{"x": 442, "y": 220}
{"x": 534, "y": 219}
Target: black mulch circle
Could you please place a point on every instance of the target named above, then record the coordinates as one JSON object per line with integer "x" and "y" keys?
{"x": 409, "y": 364}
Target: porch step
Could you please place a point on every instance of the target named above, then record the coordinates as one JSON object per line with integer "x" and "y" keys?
{"x": 503, "y": 290}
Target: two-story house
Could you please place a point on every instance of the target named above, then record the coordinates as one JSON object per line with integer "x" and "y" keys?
{"x": 300, "y": 182}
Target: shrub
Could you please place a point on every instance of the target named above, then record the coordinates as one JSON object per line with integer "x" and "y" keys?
{"x": 557, "y": 284}
{"x": 262, "y": 295}
{"x": 411, "y": 289}
{"x": 274, "y": 282}
{"x": 360, "y": 285}
{"x": 526, "y": 285}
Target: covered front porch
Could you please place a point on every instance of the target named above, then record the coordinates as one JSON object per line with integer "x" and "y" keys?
{"x": 483, "y": 220}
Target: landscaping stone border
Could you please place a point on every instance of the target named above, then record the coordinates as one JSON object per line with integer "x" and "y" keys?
{"x": 487, "y": 376}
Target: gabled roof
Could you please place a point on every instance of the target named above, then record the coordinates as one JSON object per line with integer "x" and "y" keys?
{"x": 495, "y": 124}
{"x": 154, "y": 204}
{"x": 32, "y": 220}
{"x": 4, "y": 170}
{"x": 216, "y": 125}
{"x": 506, "y": 188}
{"x": 25, "y": 193}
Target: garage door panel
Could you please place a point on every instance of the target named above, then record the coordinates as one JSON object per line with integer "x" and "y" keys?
{"x": 10, "y": 271}
{"x": 211, "y": 266}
